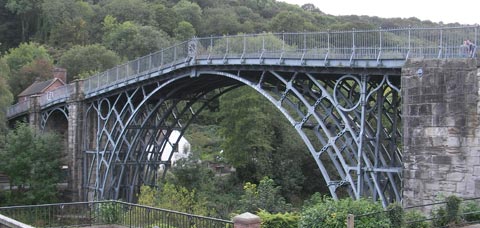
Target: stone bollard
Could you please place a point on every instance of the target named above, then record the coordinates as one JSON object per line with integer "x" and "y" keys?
{"x": 246, "y": 220}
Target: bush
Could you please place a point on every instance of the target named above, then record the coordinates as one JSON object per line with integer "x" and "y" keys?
{"x": 439, "y": 216}
{"x": 331, "y": 213}
{"x": 279, "y": 220}
{"x": 453, "y": 209}
{"x": 395, "y": 214}
{"x": 415, "y": 219}
{"x": 471, "y": 211}
{"x": 109, "y": 213}
{"x": 448, "y": 215}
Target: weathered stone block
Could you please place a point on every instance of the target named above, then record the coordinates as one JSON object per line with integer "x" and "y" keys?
{"x": 456, "y": 176}
{"x": 443, "y": 160}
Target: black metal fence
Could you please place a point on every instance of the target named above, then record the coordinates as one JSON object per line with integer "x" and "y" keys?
{"x": 452, "y": 212}
{"x": 85, "y": 214}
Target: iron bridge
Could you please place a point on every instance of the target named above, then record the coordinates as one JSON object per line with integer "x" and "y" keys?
{"x": 340, "y": 91}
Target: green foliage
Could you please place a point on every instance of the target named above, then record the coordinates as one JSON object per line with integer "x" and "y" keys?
{"x": 32, "y": 163}
{"x": 440, "y": 218}
{"x": 175, "y": 198}
{"x": 137, "y": 11}
{"x": 27, "y": 11}
{"x": 188, "y": 11}
{"x": 6, "y": 97}
{"x": 184, "y": 31}
{"x": 260, "y": 142}
{"x": 471, "y": 211}
{"x": 131, "y": 40}
{"x": 79, "y": 60}
{"x": 395, "y": 214}
{"x": 264, "y": 197}
{"x": 279, "y": 220}
{"x": 453, "y": 208}
{"x": 448, "y": 215}
{"x": 205, "y": 141}
{"x": 331, "y": 213}
{"x": 27, "y": 62}
{"x": 109, "y": 213}
{"x": 289, "y": 22}
{"x": 164, "y": 18}
{"x": 24, "y": 54}
{"x": 65, "y": 22}
{"x": 220, "y": 21}
{"x": 191, "y": 174}
{"x": 415, "y": 219}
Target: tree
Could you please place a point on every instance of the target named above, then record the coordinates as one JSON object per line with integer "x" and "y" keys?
{"x": 65, "y": 22}
{"x": 10, "y": 28}
{"x": 129, "y": 10}
{"x": 24, "y": 54}
{"x": 37, "y": 70}
{"x": 219, "y": 21}
{"x": 25, "y": 63}
{"x": 6, "y": 97}
{"x": 32, "y": 163}
{"x": 80, "y": 61}
{"x": 28, "y": 11}
{"x": 131, "y": 40}
{"x": 288, "y": 22}
{"x": 184, "y": 31}
{"x": 266, "y": 196}
{"x": 165, "y": 18}
{"x": 188, "y": 11}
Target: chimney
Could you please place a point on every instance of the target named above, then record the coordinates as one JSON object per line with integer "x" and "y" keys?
{"x": 60, "y": 73}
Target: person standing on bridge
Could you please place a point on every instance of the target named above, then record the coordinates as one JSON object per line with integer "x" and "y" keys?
{"x": 470, "y": 48}
{"x": 464, "y": 52}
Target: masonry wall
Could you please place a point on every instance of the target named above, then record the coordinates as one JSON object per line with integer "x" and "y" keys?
{"x": 441, "y": 129}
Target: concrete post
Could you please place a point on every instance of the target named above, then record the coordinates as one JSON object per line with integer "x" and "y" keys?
{"x": 246, "y": 220}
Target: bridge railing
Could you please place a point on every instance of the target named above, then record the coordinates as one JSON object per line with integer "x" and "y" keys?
{"x": 20, "y": 107}
{"x": 165, "y": 58}
{"x": 379, "y": 44}
{"x": 112, "y": 213}
{"x": 60, "y": 94}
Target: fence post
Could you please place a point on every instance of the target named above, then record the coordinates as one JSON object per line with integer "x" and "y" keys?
{"x": 350, "y": 221}
{"x": 246, "y": 220}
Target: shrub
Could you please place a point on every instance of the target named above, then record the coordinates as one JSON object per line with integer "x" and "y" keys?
{"x": 331, "y": 213}
{"x": 109, "y": 213}
{"x": 415, "y": 219}
{"x": 395, "y": 214}
{"x": 471, "y": 211}
{"x": 439, "y": 216}
{"x": 448, "y": 215}
{"x": 453, "y": 209}
{"x": 279, "y": 220}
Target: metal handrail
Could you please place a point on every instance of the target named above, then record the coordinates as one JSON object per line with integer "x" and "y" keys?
{"x": 107, "y": 212}
{"x": 376, "y": 45}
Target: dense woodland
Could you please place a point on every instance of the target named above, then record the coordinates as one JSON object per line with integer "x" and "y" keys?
{"x": 274, "y": 171}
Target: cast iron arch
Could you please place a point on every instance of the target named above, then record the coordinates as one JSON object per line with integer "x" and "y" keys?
{"x": 339, "y": 118}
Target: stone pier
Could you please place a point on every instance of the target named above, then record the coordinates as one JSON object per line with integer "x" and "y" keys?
{"x": 441, "y": 129}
